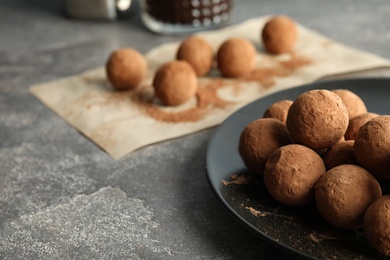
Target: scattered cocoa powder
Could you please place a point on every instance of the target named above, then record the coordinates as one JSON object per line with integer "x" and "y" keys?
{"x": 145, "y": 101}
{"x": 95, "y": 100}
{"x": 318, "y": 237}
{"x": 326, "y": 43}
{"x": 258, "y": 213}
{"x": 208, "y": 97}
{"x": 296, "y": 62}
{"x": 238, "y": 179}
{"x": 266, "y": 76}
{"x": 237, "y": 87}
{"x": 189, "y": 115}
{"x": 207, "y": 94}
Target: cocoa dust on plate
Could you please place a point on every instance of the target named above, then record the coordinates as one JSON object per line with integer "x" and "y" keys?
{"x": 207, "y": 98}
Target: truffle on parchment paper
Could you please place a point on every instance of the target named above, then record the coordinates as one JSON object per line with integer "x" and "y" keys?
{"x": 198, "y": 53}
{"x": 175, "y": 83}
{"x": 236, "y": 57}
{"x": 126, "y": 68}
{"x": 279, "y": 35}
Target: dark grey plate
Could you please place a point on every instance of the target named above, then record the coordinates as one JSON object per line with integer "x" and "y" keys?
{"x": 297, "y": 230}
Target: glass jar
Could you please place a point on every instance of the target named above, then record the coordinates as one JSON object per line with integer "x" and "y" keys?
{"x": 182, "y": 16}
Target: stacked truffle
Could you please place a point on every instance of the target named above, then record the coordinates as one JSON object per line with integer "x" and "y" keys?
{"x": 176, "y": 82}
{"x": 298, "y": 148}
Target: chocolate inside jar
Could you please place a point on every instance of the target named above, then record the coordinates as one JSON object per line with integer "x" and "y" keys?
{"x": 189, "y": 12}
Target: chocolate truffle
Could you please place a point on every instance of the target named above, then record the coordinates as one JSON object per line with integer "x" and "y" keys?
{"x": 317, "y": 119}
{"x": 377, "y": 225}
{"x": 344, "y": 193}
{"x": 353, "y": 102}
{"x": 322, "y": 152}
{"x": 291, "y": 172}
{"x": 279, "y": 35}
{"x": 355, "y": 124}
{"x": 236, "y": 57}
{"x": 259, "y": 139}
{"x": 198, "y": 53}
{"x": 126, "y": 68}
{"x": 278, "y": 110}
{"x": 372, "y": 147}
{"x": 340, "y": 153}
{"x": 175, "y": 83}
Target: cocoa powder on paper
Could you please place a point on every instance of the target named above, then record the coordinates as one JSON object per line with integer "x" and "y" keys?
{"x": 207, "y": 97}
{"x": 266, "y": 76}
{"x": 189, "y": 115}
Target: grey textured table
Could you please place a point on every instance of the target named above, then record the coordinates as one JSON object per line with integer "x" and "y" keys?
{"x": 61, "y": 197}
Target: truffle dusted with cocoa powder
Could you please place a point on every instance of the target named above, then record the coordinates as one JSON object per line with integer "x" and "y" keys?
{"x": 236, "y": 57}
{"x": 278, "y": 110}
{"x": 353, "y": 102}
{"x": 322, "y": 152}
{"x": 344, "y": 193}
{"x": 259, "y": 139}
{"x": 291, "y": 172}
{"x": 279, "y": 35}
{"x": 317, "y": 119}
{"x": 126, "y": 68}
{"x": 340, "y": 153}
{"x": 377, "y": 225}
{"x": 198, "y": 53}
{"x": 355, "y": 124}
{"x": 372, "y": 147}
{"x": 175, "y": 83}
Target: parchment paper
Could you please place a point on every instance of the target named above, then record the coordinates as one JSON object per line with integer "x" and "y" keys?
{"x": 118, "y": 125}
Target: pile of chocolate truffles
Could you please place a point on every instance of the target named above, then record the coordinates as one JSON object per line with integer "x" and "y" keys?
{"x": 325, "y": 147}
{"x": 177, "y": 81}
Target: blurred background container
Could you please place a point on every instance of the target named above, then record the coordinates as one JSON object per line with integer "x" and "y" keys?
{"x": 97, "y": 9}
{"x": 159, "y": 16}
{"x": 181, "y": 16}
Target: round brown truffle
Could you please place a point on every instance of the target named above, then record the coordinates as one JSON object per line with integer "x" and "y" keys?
{"x": 372, "y": 147}
{"x": 279, "y": 35}
{"x": 340, "y": 153}
{"x": 322, "y": 152}
{"x": 355, "y": 124}
{"x": 377, "y": 225}
{"x": 344, "y": 193}
{"x": 236, "y": 57}
{"x": 175, "y": 83}
{"x": 278, "y": 110}
{"x": 126, "y": 68}
{"x": 353, "y": 102}
{"x": 259, "y": 139}
{"x": 317, "y": 119}
{"x": 291, "y": 172}
{"x": 198, "y": 53}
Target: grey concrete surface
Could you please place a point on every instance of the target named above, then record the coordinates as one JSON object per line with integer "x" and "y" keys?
{"x": 61, "y": 197}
